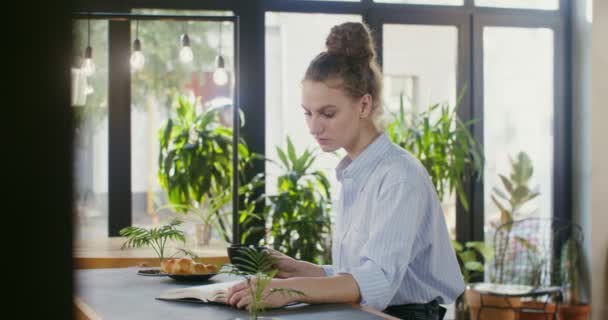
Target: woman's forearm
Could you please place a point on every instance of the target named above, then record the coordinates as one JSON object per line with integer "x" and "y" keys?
{"x": 311, "y": 269}
{"x": 338, "y": 289}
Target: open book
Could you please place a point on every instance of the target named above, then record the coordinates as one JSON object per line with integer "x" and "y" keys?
{"x": 215, "y": 292}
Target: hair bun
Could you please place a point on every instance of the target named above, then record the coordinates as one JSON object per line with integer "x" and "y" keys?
{"x": 351, "y": 39}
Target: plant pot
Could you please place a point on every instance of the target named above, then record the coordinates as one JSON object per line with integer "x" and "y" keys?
{"x": 203, "y": 234}
{"x": 574, "y": 311}
{"x": 474, "y": 300}
{"x": 461, "y": 309}
{"x": 548, "y": 309}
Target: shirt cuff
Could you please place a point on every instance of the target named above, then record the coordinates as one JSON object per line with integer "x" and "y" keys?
{"x": 329, "y": 270}
{"x": 373, "y": 286}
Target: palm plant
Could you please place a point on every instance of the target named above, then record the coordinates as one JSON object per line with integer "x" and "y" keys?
{"x": 300, "y": 210}
{"x": 257, "y": 268}
{"x": 155, "y": 237}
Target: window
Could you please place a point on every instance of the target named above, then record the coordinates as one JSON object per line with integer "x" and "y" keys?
{"x": 420, "y": 62}
{"x": 518, "y": 113}
{"x": 336, "y": 0}
{"x": 153, "y": 94}
{"x": 292, "y": 41}
{"x": 90, "y": 105}
{"x": 426, "y": 2}
{"x": 514, "y": 101}
{"x": 521, "y": 4}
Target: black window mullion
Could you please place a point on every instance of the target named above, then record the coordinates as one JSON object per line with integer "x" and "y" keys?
{"x": 475, "y": 222}
{"x": 252, "y": 101}
{"x": 562, "y": 130}
{"x": 119, "y": 133}
{"x": 466, "y": 227}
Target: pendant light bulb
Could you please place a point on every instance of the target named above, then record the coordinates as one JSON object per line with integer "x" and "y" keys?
{"x": 137, "y": 58}
{"x": 88, "y": 67}
{"x": 220, "y": 76}
{"x": 185, "y": 54}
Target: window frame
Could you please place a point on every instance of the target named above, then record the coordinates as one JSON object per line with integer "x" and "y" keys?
{"x": 470, "y": 21}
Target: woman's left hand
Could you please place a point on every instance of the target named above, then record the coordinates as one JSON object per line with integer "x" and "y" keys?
{"x": 239, "y": 295}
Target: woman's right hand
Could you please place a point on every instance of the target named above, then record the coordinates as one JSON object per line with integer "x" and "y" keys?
{"x": 289, "y": 267}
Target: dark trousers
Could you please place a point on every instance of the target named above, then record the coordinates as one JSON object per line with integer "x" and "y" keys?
{"x": 428, "y": 311}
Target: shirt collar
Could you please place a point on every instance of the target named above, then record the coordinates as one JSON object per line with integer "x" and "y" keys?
{"x": 349, "y": 169}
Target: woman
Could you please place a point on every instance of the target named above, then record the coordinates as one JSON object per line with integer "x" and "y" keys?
{"x": 391, "y": 250}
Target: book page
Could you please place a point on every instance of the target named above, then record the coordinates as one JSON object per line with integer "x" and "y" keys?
{"x": 215, "y": 292}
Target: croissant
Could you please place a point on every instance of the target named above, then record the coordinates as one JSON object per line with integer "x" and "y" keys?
{"x": 186, "y": 266}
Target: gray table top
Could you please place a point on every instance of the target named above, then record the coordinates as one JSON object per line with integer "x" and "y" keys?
{"x": 122, "y": 294}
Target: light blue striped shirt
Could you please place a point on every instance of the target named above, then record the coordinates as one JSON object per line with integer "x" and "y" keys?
{"x": 390, "y": 232}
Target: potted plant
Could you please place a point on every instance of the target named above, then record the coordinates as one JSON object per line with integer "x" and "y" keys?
{"x": 510, "y": 202}
{"x": 572, "y": 308}
{"x": 443, "y": 144}
{"x": 537, "y": 262}
{"x": 155, "y": 238}
{"x": 195, "y": 167}
{"x": 516, "y": 194}
{"x": 257, "y": 268}
{"x": 471, "y": 258}
{"x": 300, "y": 210}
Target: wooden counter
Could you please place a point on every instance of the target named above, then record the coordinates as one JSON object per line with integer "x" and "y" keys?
{"x": 106, "y": 253}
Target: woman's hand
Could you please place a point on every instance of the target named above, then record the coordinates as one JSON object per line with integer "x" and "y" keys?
{"x": 240, "y": 295}
{"x": 289, "y": 267}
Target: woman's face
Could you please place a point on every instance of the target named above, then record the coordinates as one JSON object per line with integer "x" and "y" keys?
{"x": 333, "y": 118}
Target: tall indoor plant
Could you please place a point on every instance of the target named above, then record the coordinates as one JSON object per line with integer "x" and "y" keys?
{"x": 443, "y": 144}
{"x": 195, "y": 165}
{"x": 300, "y": 211}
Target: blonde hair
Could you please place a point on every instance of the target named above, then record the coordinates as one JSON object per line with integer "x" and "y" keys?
{"x": 350, "y": 59}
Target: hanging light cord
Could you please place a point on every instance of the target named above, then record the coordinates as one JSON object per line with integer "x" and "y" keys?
{"x": 136, "y": 29}
{"x": 220, "y": 40}
{"x": 89, "y": 32}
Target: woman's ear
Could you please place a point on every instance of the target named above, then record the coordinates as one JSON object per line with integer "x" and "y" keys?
{"x": 365, "y": 104}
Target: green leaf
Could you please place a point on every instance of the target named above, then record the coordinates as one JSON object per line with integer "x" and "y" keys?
{"x": 456, "y": 245}
{"x": 484, "y": 249}
{"x": 506, "y": 183}
{"x": 527, "y": 244}
{"x": 291, "y": 151}
{"x": 499, "y": 193}
{"x": 283, "y": 158}
{"x": 474, "y": 266}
